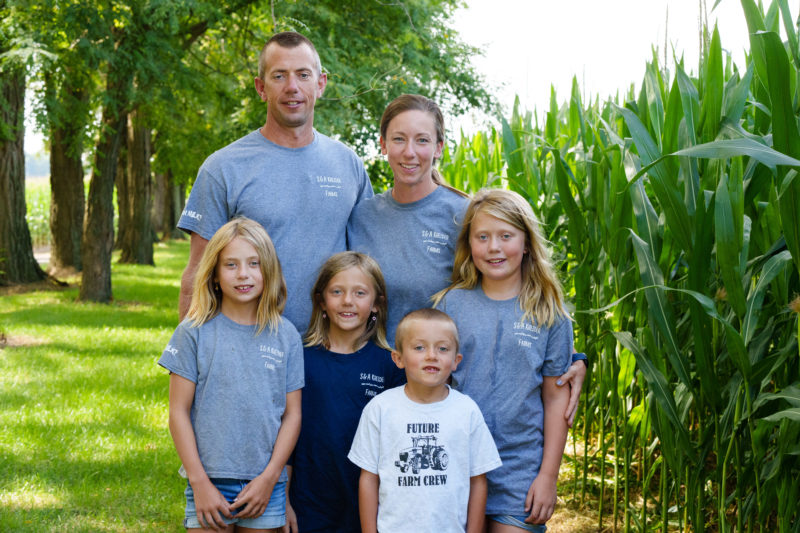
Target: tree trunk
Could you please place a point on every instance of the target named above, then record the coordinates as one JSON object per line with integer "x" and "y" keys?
{"x": 98, "y": 229}
{"x": 168, "y": 206}
{"x": 67, "y": 202}
{"x": 123, "y": 194}
{"x": 17, "y": 263}
{"x": 137, "y": 241}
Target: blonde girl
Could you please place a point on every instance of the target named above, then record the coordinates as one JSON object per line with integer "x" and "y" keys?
{"x": 508, "y": 305}
{"x": 236, "y": 371}
{"x": 346, "y": 364}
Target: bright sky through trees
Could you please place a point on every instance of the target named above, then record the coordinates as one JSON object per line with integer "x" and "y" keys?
{"x": 531, "y": 44}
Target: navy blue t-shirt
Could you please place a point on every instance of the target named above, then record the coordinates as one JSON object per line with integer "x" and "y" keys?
{"x": 324, "y": 488}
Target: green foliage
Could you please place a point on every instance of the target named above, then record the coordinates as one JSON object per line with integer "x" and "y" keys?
{"x": 37, "y": 199}
{"x": 371, "y": 51}
{"x": 675, "y": 216}
{"x": 83, "y": 406}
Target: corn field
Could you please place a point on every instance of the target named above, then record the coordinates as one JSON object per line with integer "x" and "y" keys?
{"x": 676, "y": 218}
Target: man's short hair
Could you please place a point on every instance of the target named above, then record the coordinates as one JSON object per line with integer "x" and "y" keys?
{"x": 287, "y": 39}
{"x": 426, "y": 313}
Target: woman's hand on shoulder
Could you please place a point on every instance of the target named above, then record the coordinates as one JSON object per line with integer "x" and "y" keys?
{"x": 574, "y": 376}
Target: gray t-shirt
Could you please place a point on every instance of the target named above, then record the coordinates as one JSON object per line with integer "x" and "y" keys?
{"x": 302, "y": 196}
{"x": 241, "y": 382}
{"x": 424, "y": 455}
{"x": 505, "y": 359}
{"x": 413, "y": 243}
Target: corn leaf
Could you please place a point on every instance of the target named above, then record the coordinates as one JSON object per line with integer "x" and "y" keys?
{"x": 658, "y": 385}
{"x": 789, "y": 414}
{"x": 652, "y": 276}
{"x": 728, "y": 248}
{"x": 713, "y": 87}
{"x": 666, "y": 190}
{"x": 738, "y": 147}
{"x": 772, "y": 268}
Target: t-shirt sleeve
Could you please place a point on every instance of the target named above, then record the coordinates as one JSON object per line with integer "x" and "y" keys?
{"x": 483, "y": 451}
{"x": 366, "y": 185}
{"x": 558, "y": 355}
{"x": 295, "y": 371}
{"x": 206, "y": 210}
{"x": 180, "y": 354}
{"x": 366, "y": 444}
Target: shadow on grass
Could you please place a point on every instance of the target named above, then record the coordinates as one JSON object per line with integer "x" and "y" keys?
{"x": 139, "y": 491}
{"x": 85, "y": 444}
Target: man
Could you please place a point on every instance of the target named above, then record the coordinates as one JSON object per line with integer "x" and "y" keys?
{"x": 299, "y": 184}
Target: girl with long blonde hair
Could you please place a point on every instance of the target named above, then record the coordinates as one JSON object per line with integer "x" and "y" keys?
{"x": 516, "y": 338}
{"x": 236, "y": 370}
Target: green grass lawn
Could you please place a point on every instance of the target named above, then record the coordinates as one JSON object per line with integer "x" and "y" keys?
{"x": 83, "y": 406}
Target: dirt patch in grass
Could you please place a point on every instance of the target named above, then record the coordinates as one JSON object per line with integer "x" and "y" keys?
{"x": 49, "y": 284}
{"x": 16, "y": 341}
{"x": 568, "y": 519}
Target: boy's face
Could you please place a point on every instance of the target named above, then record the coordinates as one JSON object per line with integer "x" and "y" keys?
{"x": 428, "y": 355}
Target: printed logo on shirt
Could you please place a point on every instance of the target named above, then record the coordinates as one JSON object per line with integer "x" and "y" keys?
{"x": 272, "y": 356}
{"x": 372, "y": 384}
{"x": 188, "y": 213}
{"x": 425, "y": 453}
{"x": 434, "y": 241}
{"x": 330, "y": 185}
{"x": 171, "y": 349}
{"x": 526, "y": 333}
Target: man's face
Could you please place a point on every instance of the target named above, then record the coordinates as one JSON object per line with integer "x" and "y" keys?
{"x": 290, "y": 86}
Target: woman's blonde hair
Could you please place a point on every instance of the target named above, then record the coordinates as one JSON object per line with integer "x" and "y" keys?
{"x": 541, "y": 298}
{"x": 417, "y": 102}
{"x": 319, "y": 326}
{"x": 206, "y": 294}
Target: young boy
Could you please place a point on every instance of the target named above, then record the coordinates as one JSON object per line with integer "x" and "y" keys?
{"x": 423, "y": 448}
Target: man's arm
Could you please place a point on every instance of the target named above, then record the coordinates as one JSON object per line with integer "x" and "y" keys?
{"x": 196, "y": 249}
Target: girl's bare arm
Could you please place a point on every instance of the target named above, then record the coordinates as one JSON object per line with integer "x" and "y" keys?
{"x": 541, "y": 498}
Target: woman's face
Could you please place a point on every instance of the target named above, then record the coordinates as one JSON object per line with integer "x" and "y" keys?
{"x": 411, "y": 148}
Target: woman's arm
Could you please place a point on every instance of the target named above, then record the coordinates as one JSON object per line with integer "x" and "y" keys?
{"x": 541, "y": 497}
{"x": 210, "y": 504}
{"x": 256, "y": 494}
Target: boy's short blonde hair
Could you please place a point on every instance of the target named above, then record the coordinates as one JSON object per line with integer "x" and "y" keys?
{"x": 426, "y": 313}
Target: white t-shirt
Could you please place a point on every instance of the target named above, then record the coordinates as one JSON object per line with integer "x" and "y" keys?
{"x": 424, "y": 456}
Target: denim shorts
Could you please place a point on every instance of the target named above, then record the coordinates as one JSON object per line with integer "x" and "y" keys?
{"x": 517, "y": 521}
{"x": 274, "y": 515}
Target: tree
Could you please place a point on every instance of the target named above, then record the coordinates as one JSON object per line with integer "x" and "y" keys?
{"x": 17, "y": 263}
{"x": 372, "y": 51}
{"x": 145, "y": 39}
{"x": 136, "y": 243}
{"x": 67, "y": 112}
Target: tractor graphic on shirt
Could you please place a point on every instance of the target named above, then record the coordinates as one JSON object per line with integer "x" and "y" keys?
{"x": 423, "y": 453}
